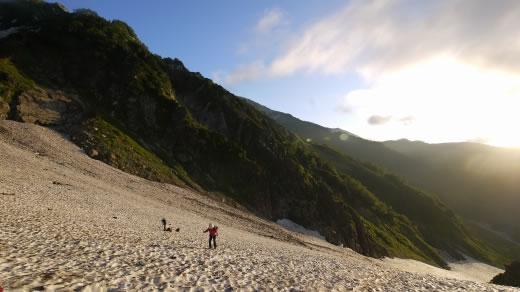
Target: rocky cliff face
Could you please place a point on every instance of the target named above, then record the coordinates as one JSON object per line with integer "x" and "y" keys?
{"x": 47, "y": 107}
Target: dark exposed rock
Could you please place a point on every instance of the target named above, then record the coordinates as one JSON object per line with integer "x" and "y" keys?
{"x": 511, "y": 277}
{"x": 4, "y": 109}
{"x": 48, "y": 108}
{"x": 93, "y": 153}
{"x": 175, "y": 64}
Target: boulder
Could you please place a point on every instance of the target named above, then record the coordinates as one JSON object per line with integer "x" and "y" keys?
{"x": 4, "y": 109}
{"x": 47, "y": 107}
{"x": 511, "y": 277}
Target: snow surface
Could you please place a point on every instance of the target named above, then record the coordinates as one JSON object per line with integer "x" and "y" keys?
{"x": 6, "y": 32}
{"x": 469, "y": 270}
{"x": 290, "y": 225}
{"x": 71, "y": 223}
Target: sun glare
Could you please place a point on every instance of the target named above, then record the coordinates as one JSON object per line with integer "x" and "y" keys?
{"x": 447, "y": 100}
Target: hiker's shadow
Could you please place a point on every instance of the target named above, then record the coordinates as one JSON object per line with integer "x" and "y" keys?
{"x": 191, "y": 247}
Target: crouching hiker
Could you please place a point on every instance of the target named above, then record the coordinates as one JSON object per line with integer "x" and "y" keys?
{"x": 169, "y": 229}
{"x": 163, "y": 221}
{"x": 213, "y": 232}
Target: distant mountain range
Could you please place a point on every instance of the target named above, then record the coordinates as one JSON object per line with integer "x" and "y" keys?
{"x": 480, "y": 182}
{"x": 93, "y": 80}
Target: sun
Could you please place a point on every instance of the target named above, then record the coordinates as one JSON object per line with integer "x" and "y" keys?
{"x": 450, "y": 101}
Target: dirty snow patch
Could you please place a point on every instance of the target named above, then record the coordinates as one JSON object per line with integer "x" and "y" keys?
{"x": 469, "y": 269}
{"x": 290, "y": 225}
{"x": 6, "y": 32}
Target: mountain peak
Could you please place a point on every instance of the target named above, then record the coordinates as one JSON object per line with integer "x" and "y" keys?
{"x": 175, "y": 64}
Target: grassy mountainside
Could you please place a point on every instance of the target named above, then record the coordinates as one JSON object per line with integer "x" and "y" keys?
{"x": 95, "y": 81}
{"x": 477, "y": 181}
{"x": 343, "y": 141}
{"x": 480, "y": 182}
{"x": 441, "y": 227}
{"x": 220, "y": 111}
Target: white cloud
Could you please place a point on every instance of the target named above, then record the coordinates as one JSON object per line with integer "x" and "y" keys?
{"x": 481, "y": 140}
{"x": 372, "y": 37}
{"x": 407, "y": 120}
{"x": 245, "y": 73}
{"x": 443, "y": 70}
{"x": 357, "y": 100}
{"x": 270, "y": 20}
{"x": 440, "y": 99}
{"x": 217, "y": 76}
{"x": 268, "y": 32}
{"x": 377, "y": 120}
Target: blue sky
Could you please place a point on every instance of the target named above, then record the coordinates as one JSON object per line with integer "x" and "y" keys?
{"x": 437, "y": 71}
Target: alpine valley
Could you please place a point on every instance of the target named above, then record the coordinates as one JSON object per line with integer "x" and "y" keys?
{"x": 96, "y": 83}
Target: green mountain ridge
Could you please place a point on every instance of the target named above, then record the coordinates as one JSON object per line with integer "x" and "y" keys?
{"x": 94, "y": 80}
{"x": 340, "y": 151}
{"x": 409, "y": 161}
{"x": 479, "y": 181}
{"x": 434, "y": 219}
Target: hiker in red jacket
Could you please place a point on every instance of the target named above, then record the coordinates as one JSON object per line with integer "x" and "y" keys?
{"x": 213, "y": 232}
